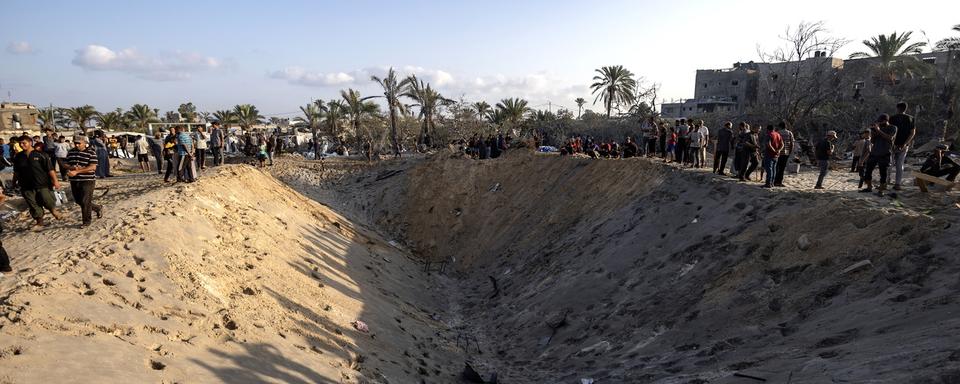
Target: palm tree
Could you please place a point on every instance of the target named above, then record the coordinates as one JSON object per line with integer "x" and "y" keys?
{"x": 950, "y": 43}
{"x": 225, "y": 117}
{"x": 80, "y": 115}
{"x": 48, "y": 117}
{"x": 333, "y": 113}
{"x": 482, "y": 108}
{"x": 204, "y": 116}
{"x": 188, "y": 112}
{"x": 111, "y": 120}
{"x": 512, "y": 110}
{"x": 428, "y": 99}
{"x": 892, "y": 53}
{"x": 312, "y": 115}
{"x": 392, "y": 90}
{"x": 246, "y": 115}
{"x": 580, "y": 102}
{"x": 141, "y": 115}
{"x": 357, "y": 107}
{"x": 614, "y": 85}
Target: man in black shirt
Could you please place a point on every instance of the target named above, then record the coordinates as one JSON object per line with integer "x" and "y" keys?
{"x": 722, "y": 149}
{"x": 901, "y": 143}
{"x": 33, "y": 173}
{"x": 940, "y": 165}
{"x": 82, "y": 165}
{"x": 823, "y": 152}
{"x": 883, "y": 136}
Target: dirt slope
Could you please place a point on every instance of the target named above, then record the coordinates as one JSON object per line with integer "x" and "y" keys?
{"x": 634, "y": 272}
{"x": 236, "y": 278}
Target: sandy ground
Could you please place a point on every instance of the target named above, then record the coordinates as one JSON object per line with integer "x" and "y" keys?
{"x": 557, "y": 270}
{"x": 631, "y": 271}
{"x": 235, "y": 278}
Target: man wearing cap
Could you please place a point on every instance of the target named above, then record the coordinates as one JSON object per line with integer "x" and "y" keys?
{"x": 82, "y": 167}
{"x": 883, "y": 135}
{"x": 35, "y": 176}
{"x": 823, "y": 152}
{"x": 939, "y": 164}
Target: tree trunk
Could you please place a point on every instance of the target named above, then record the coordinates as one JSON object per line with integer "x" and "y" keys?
{"x": 393, "y": 131}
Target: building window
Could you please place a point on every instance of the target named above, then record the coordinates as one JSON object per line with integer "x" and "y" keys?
{"x": 704, "y": 85}
{"x": 930, "y": 60}
{"x": 774, "y": 76}
{"x": 735, "y": 83}
{"x": 858, "y": 85}
{"x": 733, "y": 98}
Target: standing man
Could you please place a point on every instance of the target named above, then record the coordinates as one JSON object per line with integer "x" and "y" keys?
{"x": 722, "y": 148}
{"x": 774, "y": 144}
{"x": 883, "y": 136}
{"x": 156, "y": 148}
{"x": 788, "y": 144}
{"x": 217, "y": 141}
{"x": 902, "y": 142}
{"x": 141, "y": 148}
{"x": 82, "y": 164}
{"x": 32, "y": 171}
{"x": 62, "y": 147}
{"x": 187, "y": 166}
{"x": 200, "y": 142}
{"x": 823, "y": 152}
{"x": 683, "y": 141}
{"x": 696, "y": 142}
{"x": 705, "y": 141}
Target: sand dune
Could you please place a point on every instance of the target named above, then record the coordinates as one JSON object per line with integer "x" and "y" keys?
{"x": 236, "y": 278}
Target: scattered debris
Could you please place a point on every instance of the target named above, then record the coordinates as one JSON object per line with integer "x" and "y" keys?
{"x": 600, "y": 347}
{"x": 360, "y": 326}
{"x": 803, "y": 243}
{"x": 858, "y": 265}
{"x": 495, "y": 188}
{"x": 586, "y": 381}
{"x": 746, "y": 376}
{"x": 496, "y": 288}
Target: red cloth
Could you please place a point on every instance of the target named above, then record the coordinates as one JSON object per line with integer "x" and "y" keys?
{"x": 775, "y": 141}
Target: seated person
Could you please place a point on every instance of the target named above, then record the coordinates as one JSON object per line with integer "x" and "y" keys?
{"x": 939, "y": 164}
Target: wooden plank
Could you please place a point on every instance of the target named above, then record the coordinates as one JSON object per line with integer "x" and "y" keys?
{"x": 932, "y": 179}
{"x": 922, "y": 184}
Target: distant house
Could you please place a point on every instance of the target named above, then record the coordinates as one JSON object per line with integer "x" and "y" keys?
{"x": 18, "y": 117}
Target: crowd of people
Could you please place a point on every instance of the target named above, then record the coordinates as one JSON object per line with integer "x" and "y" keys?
{"x": 770, "y": 150}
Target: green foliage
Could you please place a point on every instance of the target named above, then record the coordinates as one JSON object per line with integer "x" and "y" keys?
{"x": 80, "y": 115}
{"x": 891, "y": 52}
{"x": 247, "y": 115}
{"x": 614, "y": 86}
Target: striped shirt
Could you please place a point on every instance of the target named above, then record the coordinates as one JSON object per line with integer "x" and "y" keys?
{"x": 82, "y": 159}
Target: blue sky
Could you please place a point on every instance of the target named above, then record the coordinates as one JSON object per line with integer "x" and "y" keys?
{"x": 281, "y": 54}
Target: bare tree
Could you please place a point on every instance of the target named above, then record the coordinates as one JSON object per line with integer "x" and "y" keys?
{"x": 801, "y": 76}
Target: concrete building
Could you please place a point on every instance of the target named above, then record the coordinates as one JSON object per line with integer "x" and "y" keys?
{"x": 734, "y": 90}
{"x": 18, "y": 117}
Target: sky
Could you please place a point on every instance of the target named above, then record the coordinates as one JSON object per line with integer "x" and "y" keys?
{"x": 279, "y": 55}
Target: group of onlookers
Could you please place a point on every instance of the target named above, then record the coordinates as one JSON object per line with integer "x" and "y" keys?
{"x": 772, "y": 148}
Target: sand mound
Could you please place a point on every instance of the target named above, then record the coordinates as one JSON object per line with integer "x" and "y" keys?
{"x": 629, "y": 271}
{"x": 236, "y": 278}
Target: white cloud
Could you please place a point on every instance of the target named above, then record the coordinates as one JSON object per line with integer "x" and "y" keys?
{"x": 538, "y": 87}
{"x": 301, "y": 76}
{"x": 20, "y": 48}
{"x": 168, "y": 66}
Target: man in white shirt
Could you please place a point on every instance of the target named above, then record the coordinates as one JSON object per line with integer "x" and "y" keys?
{"x": 141, "y": 148}
{"x": 705, "y": 132}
